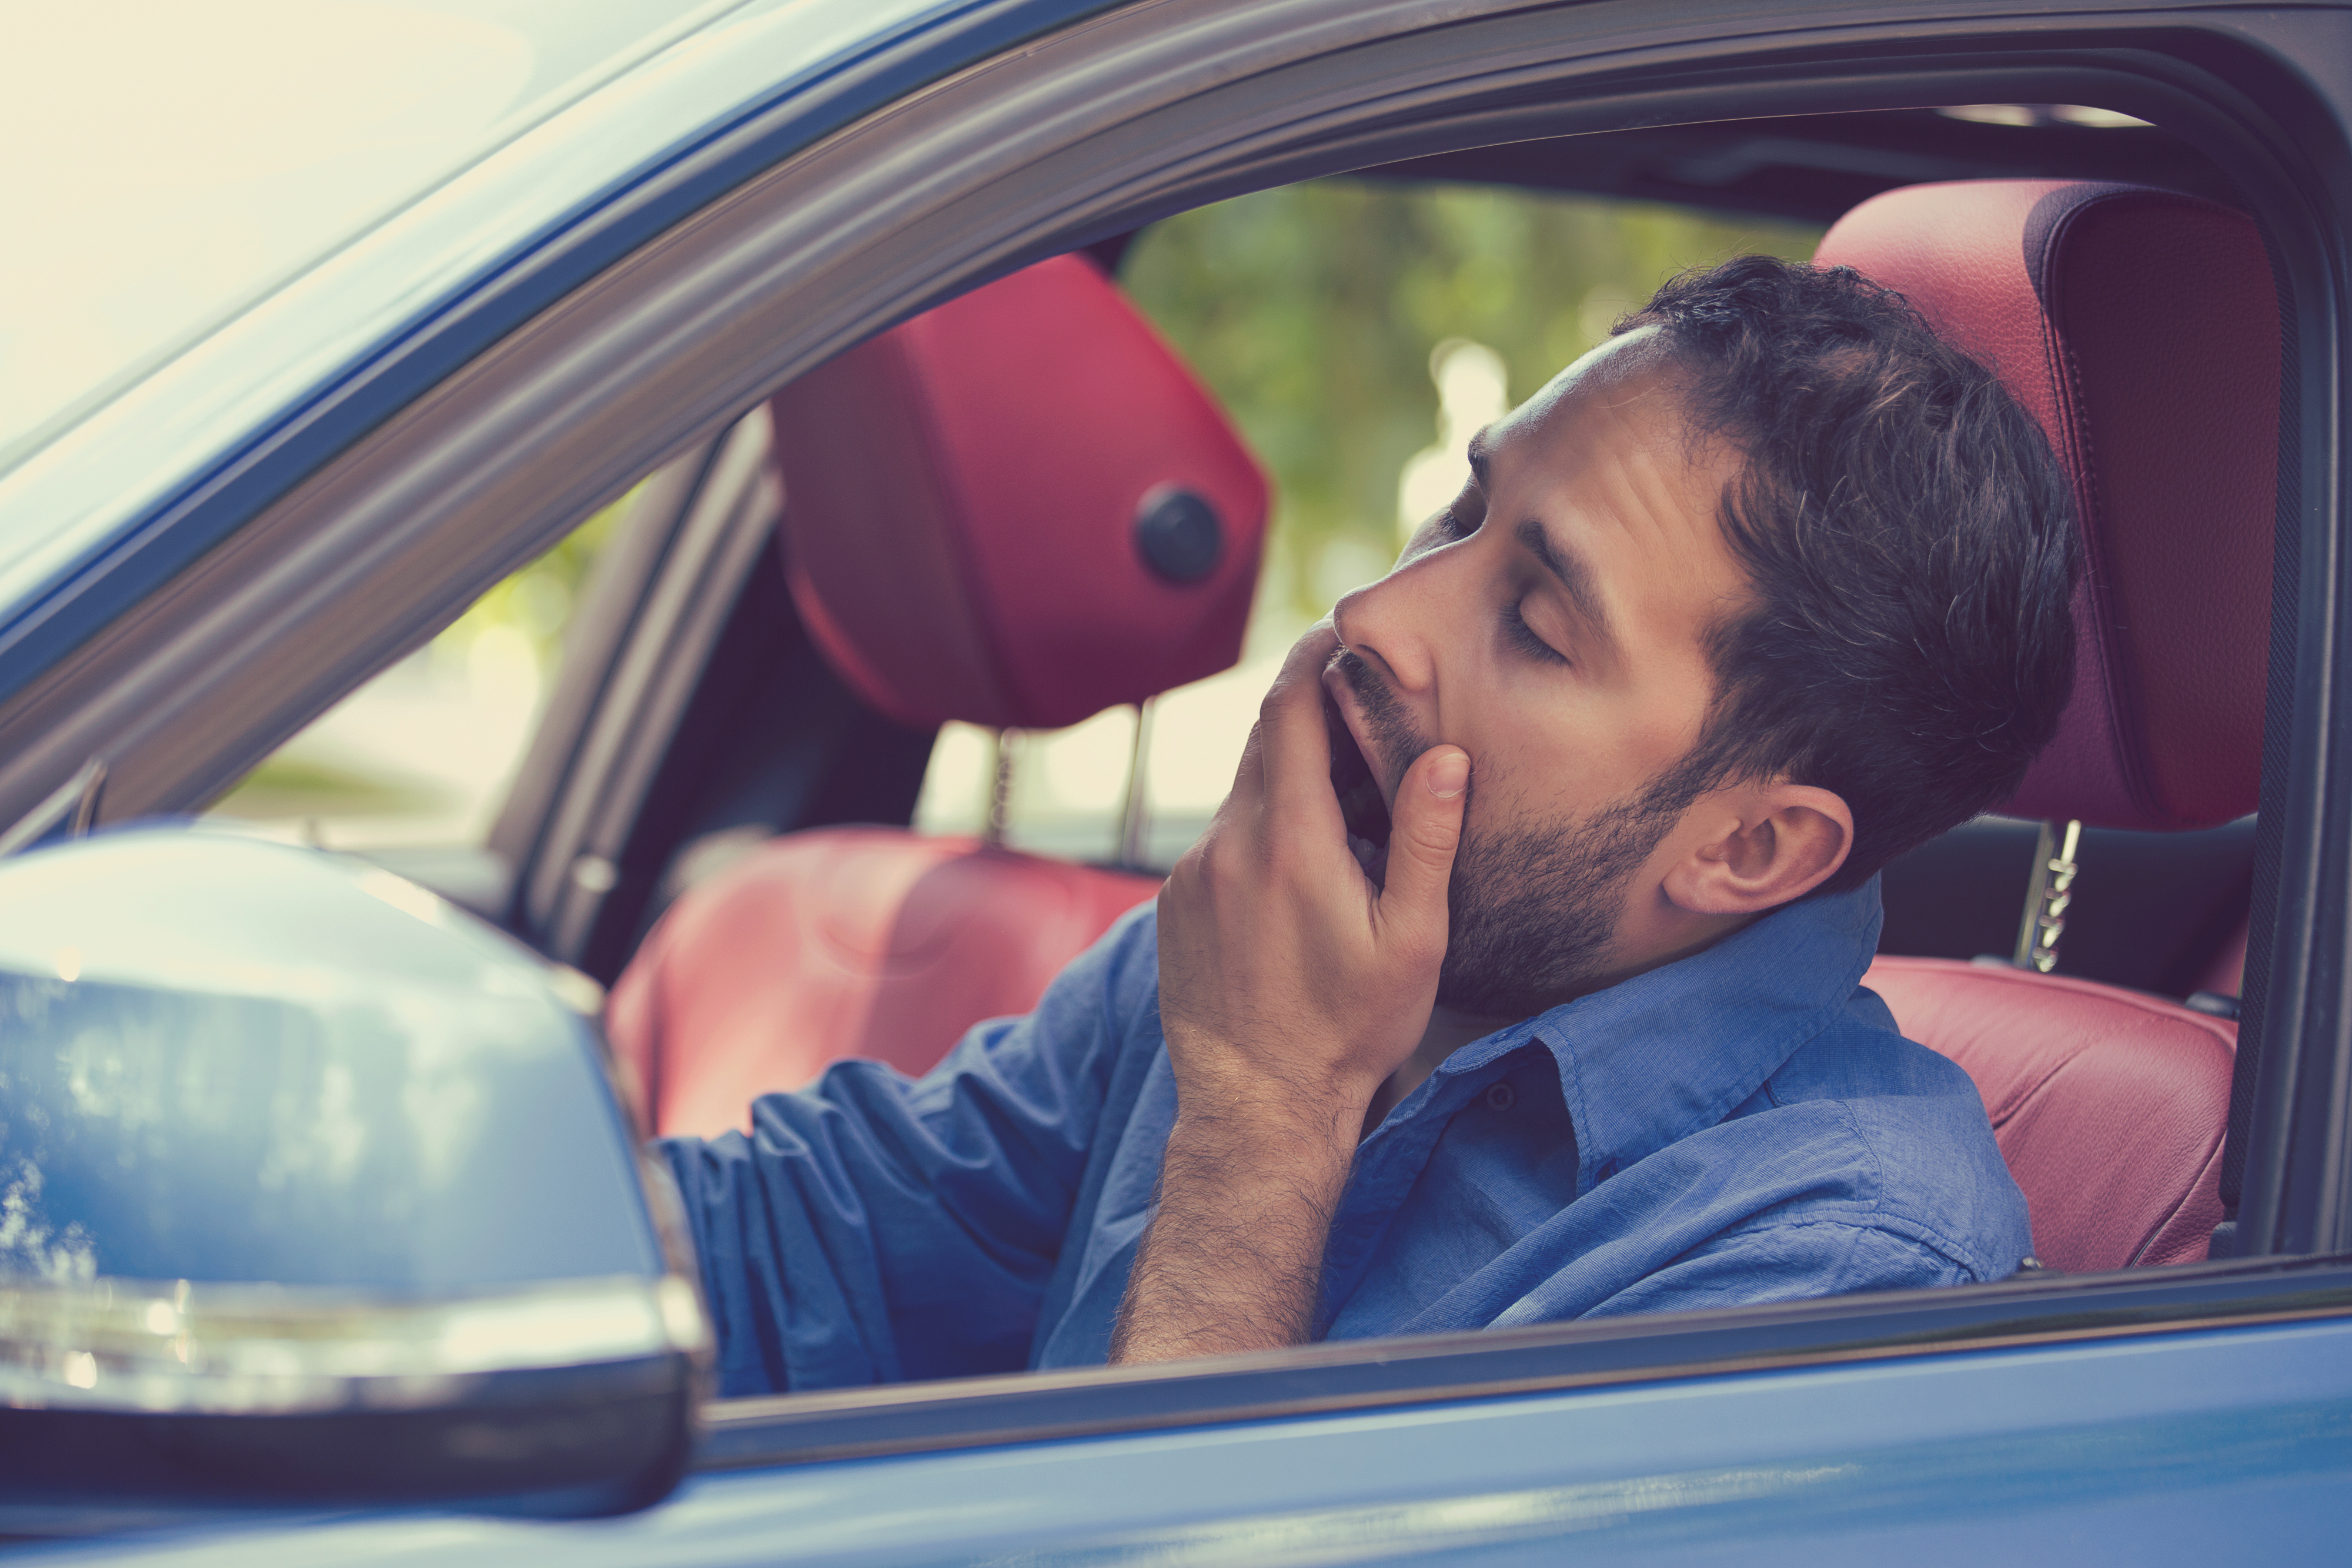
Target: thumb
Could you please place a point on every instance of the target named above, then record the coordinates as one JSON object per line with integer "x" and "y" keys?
{"x": 1425, "y": 827}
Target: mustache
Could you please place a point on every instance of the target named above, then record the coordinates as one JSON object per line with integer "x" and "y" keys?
{"x": 1393, "y": 734}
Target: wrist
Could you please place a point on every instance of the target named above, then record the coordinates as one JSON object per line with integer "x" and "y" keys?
{"x": 1221, "y": 1087}
{"x": 1275, "y": 1129}
{"x": 1233, "y": 1252}
{"x": 1284, "y": 1171}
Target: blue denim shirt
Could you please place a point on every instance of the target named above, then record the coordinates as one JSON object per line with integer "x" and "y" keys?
{"x": 1745, "y": 1125}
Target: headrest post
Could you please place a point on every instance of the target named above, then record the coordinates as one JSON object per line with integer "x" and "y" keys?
{"x": 1135, "y": 816}
{"x": 2047, "y": 893}
{"x": 1000, "y": 788}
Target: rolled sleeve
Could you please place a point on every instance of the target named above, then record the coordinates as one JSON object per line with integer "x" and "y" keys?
{"x": 875, "y": 1228}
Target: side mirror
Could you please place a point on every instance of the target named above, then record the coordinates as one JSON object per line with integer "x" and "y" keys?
{"x": 312, "y": 1189}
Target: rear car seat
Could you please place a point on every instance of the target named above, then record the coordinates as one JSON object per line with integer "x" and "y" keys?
{"x": 1017, "y": 510}
{"x": 2142, "y": 329}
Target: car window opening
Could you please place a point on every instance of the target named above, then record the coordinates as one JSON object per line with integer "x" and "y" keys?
{"x": 1356, "y": 332}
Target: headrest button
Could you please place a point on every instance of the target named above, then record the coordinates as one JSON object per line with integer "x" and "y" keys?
{"x": 1178, "y": 534}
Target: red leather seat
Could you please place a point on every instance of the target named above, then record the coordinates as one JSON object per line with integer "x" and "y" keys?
{"x": 2108, "y": 1104}
{"x": 845, "y": 942}
{"x": 1017, "y": 510}
{"x": 2141, "y": 328}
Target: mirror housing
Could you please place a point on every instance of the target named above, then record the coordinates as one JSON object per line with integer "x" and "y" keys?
{"x": 314, "y": 1189}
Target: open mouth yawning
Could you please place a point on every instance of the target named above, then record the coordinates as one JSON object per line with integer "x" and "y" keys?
{"x": 1362, "y": 806}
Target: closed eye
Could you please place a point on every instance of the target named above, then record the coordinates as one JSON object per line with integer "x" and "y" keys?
{"x": 1523, "y": 637}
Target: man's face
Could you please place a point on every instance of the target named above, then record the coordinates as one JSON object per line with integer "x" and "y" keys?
{"x": 1552, "y": 623}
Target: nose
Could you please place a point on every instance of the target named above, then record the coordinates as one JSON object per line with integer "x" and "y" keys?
{"x": 1394, "y": 623}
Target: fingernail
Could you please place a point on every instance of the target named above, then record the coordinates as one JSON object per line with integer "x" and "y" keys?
{"x": 1448, "y": 774}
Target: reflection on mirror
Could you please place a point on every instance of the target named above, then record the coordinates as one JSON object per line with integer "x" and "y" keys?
{"x": 287, "y": 1139}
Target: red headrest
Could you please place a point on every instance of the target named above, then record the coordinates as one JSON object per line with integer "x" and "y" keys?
{"x": 2142, "y": 329}
{"x": 1018, "y": 508}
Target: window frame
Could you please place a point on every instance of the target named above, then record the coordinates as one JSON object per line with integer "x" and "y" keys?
{"x": 768, "y": 1431}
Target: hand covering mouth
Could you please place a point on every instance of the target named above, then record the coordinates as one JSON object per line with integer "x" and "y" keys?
{"x": 1362, "y": 807}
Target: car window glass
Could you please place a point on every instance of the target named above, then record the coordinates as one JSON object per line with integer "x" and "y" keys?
{"x": 1359, "y": 333}
{"x": 422, "y": 754}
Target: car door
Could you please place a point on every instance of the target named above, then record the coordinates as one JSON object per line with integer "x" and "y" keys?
{"x": 2200, "y": 1410}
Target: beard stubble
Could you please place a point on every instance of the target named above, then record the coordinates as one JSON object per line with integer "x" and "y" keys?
{"x": 1532, "y": 911}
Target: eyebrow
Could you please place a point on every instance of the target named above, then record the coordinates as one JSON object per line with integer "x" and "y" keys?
{"x": 1575, "y": 578}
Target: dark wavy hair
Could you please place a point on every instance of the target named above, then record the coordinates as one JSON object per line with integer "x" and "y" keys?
{"x": 1910, "y": 541}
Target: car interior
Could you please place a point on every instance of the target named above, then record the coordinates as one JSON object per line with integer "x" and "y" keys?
{"x": 1021, "y": 507}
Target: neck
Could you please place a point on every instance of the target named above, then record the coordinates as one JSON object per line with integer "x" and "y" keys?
{"x": 1667, "y": 936}
{"x": 1448, "y": 1031}
{"x": 1661, "y": 931}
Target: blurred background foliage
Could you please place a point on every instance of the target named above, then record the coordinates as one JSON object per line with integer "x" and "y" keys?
{"x": 1312, "y": 311}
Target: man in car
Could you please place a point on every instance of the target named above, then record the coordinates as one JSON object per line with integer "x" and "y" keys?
{"x": 1517, "y": 979}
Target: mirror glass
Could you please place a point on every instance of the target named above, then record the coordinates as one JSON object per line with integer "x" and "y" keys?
{"x": 284, "y": 1137}
{"x": 211, "y": 1072}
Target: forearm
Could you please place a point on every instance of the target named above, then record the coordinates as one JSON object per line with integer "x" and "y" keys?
{"x": 1291, "y": 986}
{"x": 1233, "y": 1255}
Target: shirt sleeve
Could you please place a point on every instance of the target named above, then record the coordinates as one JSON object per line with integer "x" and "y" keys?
{"x": 1791, "y": 1261}
{"x": 875, "y": 1228}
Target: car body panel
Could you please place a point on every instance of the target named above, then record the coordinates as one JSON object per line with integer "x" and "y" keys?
{"x": 2176, "y": 1449}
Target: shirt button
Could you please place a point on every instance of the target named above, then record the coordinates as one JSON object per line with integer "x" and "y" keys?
{"x": 1501, "y": 1096}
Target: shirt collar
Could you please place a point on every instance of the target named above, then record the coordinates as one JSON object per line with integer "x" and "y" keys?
{"x": 1668, "y": 1053}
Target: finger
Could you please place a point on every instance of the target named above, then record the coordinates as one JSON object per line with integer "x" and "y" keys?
{"x": 1249, "y": 778}
{"x": 1301, "y": 670}
{"x": 1296, "y": 742}
{"x": 1425, "y": 831}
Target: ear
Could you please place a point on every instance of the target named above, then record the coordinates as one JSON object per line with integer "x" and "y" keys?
{"x": 1771, "y": 844}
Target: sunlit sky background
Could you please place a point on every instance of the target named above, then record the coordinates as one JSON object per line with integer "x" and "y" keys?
{"x": 1358, "y": 333}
